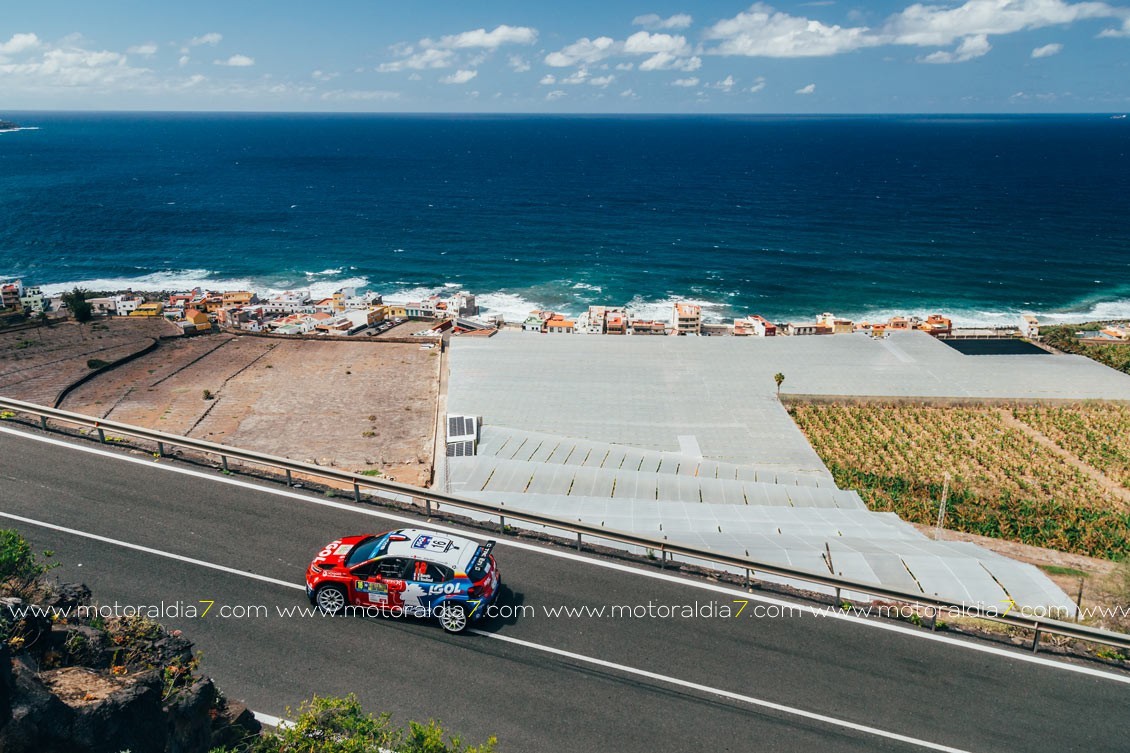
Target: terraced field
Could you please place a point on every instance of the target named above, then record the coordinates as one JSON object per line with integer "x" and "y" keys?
{"x": 1049, "y": 477}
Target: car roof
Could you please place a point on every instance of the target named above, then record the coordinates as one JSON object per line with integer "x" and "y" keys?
{"x": 455, "y": 552}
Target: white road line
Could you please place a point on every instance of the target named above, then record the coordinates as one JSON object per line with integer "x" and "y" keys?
{"x": 912, "y": 632}
{"x": 276, "y": 721}
{"x": 272, "y": 721}
{"x": 150, "y": 550}
{"x": 790, "y": 710}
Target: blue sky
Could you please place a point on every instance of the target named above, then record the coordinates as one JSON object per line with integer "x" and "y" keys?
{"x": 616, "y": 56}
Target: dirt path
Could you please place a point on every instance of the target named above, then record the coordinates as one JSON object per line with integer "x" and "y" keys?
{"x": 1115, "y": 489}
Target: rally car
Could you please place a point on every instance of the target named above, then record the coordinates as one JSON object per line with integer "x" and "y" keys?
{"x": 406, "y": 572}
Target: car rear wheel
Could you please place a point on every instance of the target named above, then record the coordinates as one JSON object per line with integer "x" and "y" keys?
{"x": 453, "y": 618}
{"x": 330, "y": 599}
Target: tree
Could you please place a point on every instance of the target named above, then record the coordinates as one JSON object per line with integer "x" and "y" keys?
{"x": 779, "y": 378}
{"x": 80, "y": 308}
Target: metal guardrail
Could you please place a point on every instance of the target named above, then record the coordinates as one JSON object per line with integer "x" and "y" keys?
{"x": 666, "y": 549}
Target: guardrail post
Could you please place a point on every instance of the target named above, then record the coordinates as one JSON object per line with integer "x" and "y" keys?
{"x": 933, "y": 619}
{"x": 1036, "y": 639}
{"x": 838, "y": 602}
{"x": 578, "y": 541}
{"x": 356, "y": 493}
{"x": 662, "y": 559}
{"x": 43, "y": 422}
{"x": 502, "y": 524}
{"x": 428, "y": 507}
{"x": 289, "y": 481}
{"x": 161, "y": 449}
{"x": 224, "y": 463}
{"x": 101, "y": 436}
{"x": 747, "y": 576}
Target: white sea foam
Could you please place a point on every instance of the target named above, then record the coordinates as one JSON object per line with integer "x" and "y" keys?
{"x": 513, "y": 307}
{"x": 187, "y": 279}
{"x": 640, "y": 308}
{"x": 1101, "y": 311}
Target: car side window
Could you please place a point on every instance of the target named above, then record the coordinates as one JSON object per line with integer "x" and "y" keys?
{"x": 367, "y": 569}
{"x": 438, "y": 573}
{"x": 396, "y": 568}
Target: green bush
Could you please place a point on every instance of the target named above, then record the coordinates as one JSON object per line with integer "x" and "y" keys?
{"x": 340, "y": 725}
{"x": 96, "y": 363}
{"x": 19, "y": 567}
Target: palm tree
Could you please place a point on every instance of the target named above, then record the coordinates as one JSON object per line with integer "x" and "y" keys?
{"x": 779, "y": 378}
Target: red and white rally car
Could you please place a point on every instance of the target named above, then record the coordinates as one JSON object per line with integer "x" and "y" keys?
{"x": 406, "y": 572}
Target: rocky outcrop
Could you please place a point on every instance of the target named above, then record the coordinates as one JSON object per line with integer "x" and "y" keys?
{"x": 72, "y": 687}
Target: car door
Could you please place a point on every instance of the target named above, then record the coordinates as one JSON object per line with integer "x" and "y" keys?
{"x": 426, "y": 585}
{"x": 379, "y": 582}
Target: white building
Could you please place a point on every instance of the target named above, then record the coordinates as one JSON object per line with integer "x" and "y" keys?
{"x": 31, "y": 298}
{"x": 125, "y": 304}
{"x": 1029, "y": 326}
{"x": 290, "y": 302}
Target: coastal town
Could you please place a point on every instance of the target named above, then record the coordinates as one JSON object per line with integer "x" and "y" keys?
{"x": 353, "y": 312}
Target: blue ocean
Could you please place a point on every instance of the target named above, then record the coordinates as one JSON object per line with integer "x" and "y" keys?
{"x": 980, "y": 217}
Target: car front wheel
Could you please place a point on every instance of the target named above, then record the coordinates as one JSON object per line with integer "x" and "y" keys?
{"x": 330, "y": 599}
{"x": 453, "y": 618}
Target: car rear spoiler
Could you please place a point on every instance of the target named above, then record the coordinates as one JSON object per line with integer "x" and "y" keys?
{"x": 482, "y": 558}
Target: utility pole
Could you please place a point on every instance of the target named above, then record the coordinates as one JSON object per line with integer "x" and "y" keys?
{"x": 942, "y": 508}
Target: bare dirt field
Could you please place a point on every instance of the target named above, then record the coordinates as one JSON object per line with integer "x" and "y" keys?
{"x": 37, "y": 363}
{"x": 359, "y": 406}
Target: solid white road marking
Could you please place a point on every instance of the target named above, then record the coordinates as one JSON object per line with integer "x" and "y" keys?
{"x": 150, "y": 550}
{"x": 790, "y": 710}
{"x": 276, "y": 721}
{"x": 970, "y": 645}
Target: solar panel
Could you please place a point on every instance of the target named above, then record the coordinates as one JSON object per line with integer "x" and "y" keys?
{"x": 460, "y": 449}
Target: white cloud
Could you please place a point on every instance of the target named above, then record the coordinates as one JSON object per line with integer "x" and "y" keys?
{"x": 490, "y": 40}
{"x": 147, "y": 49}
{"x": 518, "y": 64}
{"x": 662, "y": 61}
{"x": 442, "y": 53}
{"x": 1116, "y": 33}
{"x": 935, "y": 26}
{"x": 970, "y": 48}
{"x": 686, "y": 82}
{"x": 236, "y": 61}
{"x": 183, "y": 60}
{"x": 211, "y": 39}
{"x": 578, "y": 76}
{"x": 70, "y": 67}
{"x": 555, "y": 94}
{"x": 643, "y": 43}
{"x": 654, "y": 21}
{"x": 666, "y": 51}
{"x": 323, "y": 76}
{"x": 1047, "y": 50}
{"x": 629, "y": 94}
{"x": 763, "y": 32}
{"x": 757, "y": 86}
{"x": 548, "y": 80}
{"x": 358, "y": 95}
{"x": 423, "y": 60}
{"x": 724, "y": 85}
{"x": 19, "y": 43}
{"x": 806, "y": 89}
{"x": 584, "y": 50}
{"x": 625, "y": 66}
{"x": 459, "y": 77}
{"x": 602, "y": 81}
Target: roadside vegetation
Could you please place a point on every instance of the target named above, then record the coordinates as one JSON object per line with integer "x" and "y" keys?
{"x": 139, "y": 685}
{"x": 1062, "y": 338}
{"x": 341, "y": 725}
{"x": 1004, "y": 482}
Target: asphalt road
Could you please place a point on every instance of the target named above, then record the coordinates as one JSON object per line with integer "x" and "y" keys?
{"x": 536, "y": 681}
